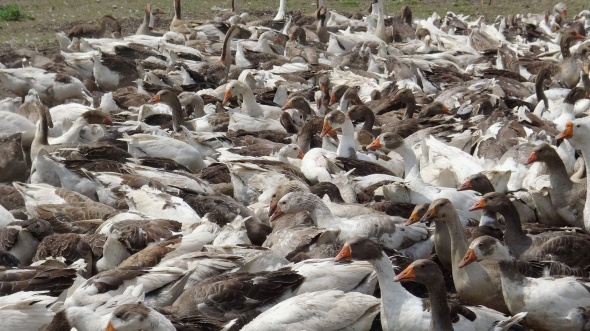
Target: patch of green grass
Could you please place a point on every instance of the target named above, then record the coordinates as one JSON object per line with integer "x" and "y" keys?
{"x": 12, "y": 12}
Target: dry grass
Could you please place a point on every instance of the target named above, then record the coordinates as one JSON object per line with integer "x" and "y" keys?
{"x": 51, "y": 16}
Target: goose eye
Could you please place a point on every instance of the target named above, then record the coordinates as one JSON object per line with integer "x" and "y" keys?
{"x": 274, "y": 195}
{"x": 480, "y": 245}
{"x": 422, "y": 266}
{"x": 577, "y": 125}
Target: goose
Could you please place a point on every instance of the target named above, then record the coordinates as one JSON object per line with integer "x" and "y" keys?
{"x": 249, "y": 105}
{"x": 178, "y": 24}
{"x": 72, "y": 247}
{"x": 23, "y": 239}
{"x": 27, "y": 310}
{"x": 95, "y": 30}
{"x": 136, "y": 316}
{"x": 559, "y": 245}
{"x": 111, "y": 71}
{"x": 73, "y": 134}
{"x": 145, "y": 27}
{"x": 400, "y": 310}
{"x": 419, "y": 191}
{"x": 530, "y": 295}
{"x": 337, "y": 310}
{"x": 159, "y": 146}
{"x": 386, "y": 229}
{"x": 566, "y": 196}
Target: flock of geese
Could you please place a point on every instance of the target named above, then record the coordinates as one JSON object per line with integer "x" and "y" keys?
{"x": 289, "y": 173}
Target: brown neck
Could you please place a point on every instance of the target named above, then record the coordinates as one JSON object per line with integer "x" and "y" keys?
{"x": 441, "y": 319}
{"x": 225, "y": 52}
{"x": 514, "y": 236}
{"x": 539, "y": 89}
{"x": 177, "y": 9}
{"x": 410, "y": 108}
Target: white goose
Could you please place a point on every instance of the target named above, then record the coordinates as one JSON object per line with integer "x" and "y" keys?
{"x": 323, "y": 310}
{"x": 414, "y": 190}
{"x": 249, "y": 104}
{"x": 550, "y": 303}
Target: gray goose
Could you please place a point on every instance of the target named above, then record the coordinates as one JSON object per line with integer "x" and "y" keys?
{"x": 566, "y": 247}
{"x": 567, "y": 196}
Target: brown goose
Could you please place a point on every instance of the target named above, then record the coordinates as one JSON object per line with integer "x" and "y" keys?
{"x": 70, "y": 246}
{"x": 565, "y": 247}
{"x": 36, "y": 279}
{"x": 178, "y": 24}
{"x": 567, "y": 196}
{"x": 236, "y": 295}
{"x": 95, "y": 30}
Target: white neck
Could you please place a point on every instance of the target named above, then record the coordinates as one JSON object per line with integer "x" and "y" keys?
{"x": 322, "y": 216}
{"x": 282, "y": 10}
{"x": 347, "y": 145}
{"x": 73, "y": 132}
{"x": 395, "y": 299}
{"x": 380, "y": 28}
{"x": 412, "y": 171}
{"x": 586, "y": 154}
{"x": 249, "y": 105}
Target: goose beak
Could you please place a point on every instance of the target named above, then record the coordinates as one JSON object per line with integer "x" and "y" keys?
{"x": 469, "y": 258}
{"x": 326, "y": 129}
{"x": 446, "y": 110}
{"x": 579, "y": 36}
{"x": 406, "y": 275}
{"x": 107, "y": 121}
{"x": 568, "y": 132}
{"x": 414, "y": 218}
{"x": 287, "y": 105}
{"x": 564, "y": 13}
{"x": 332, "y": 99}
{"x": 155, "y": 99}
{"x": 481, "y": 204}
{"x": 276, "y": 214}
{"x": 226, "y": 98}
{"x": 345, "y": 253}
{"x": 396, "y": 98}
{"x": 532, "y": 158}
{"x": 375, "y": 145}
{"x": 300, "y": 155}
{"x": 272, "y": 209}
{"x": 430, "y": 215}
{"x": 465, "y": 186}
{"x": 110, "y": 327}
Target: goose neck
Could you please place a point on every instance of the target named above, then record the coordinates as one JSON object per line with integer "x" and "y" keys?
{"x": 410, "y": 108}
{"x": 319, "y": 212}
{"x": 346, "y": 148}
{"x": 369, "y": 117}
{"x": 412, "y": 168}
{"x": 249, "y": 105}
{"x": 42, "y": 132}
{"x": 441, "y": 319}
{"x": 282, "y": 10}
{"x": 514, "y": 236}
{"x": 586, "y": 155}
{"x": 540, "y": 91}
{"x": 177, "y": 9}
{"x": 558, "y": 176}
{"x": 458, "y": 240}
{"x": 509, "y": 271}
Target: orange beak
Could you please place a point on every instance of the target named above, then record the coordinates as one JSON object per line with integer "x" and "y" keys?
{"x": 579, "y": 36}
{"x": 272, "y": 209}
{"x": 469, "y": 258}
{"x": 446, "y": 110}
{"x": 287, "y": 105}
{"x": 110, "y": 327}
{"x": 465, "y": 186}
{"x": 568, "y": 132}
{"x": 481, "y": 204}
{"x": 277, "y": 213}
{"x": 326, "y": 129}
{"x": 345, "y": 253}
{"x": 300, "y": 155}
{"x": 414, "y": 218}
{"x": 532, "y": 158}
{"x": 155, "y": 99}
{"x": 430, "y": 214}
{"x": 406, "y": 275}
{"x": 564, "y": 13}
{"x": 396, "y": 98}
{"x": 107, "y": 121}
{"x": 375, "y": 145}
{"x": 332, "y": 99}
{"x": 226, "y": 97}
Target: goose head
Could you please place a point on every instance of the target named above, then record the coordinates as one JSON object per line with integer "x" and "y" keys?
{"x": 435, "y": 108}
{"x": 360, "y": 248}
{"x": 494, "y": 201}
{"x": 292, "y": 203}
{"x": 325, "y": 84}
{"x": 234, "y": 88}
{"x": 440, "y": 210}
{"x": 576, "y": 132}
{"x": 333, "y": 120}
{"x": 291, "y": 150}
{"x": 478, "y": 183}
{"x": 136, "y": 316}
{"x": 96, "y": 117}
{"x": 417, "y": 213}
{"x": 542, "y": 153}
{"x": 388, "y": 141}
{"x": 404, "y": 96}
{"x": 282, "y": 190}
{"x": 406, "y": 14}
{"x": 421, "y": 271}
{"x": 486, "y": 248}
{"x": 560, "y": 9}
